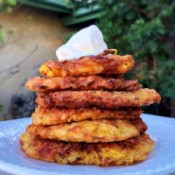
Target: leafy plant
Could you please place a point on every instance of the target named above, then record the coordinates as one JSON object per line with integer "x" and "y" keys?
{"x": 145, "y": 30}
{"x": 7, "y": 5}
{"x": 1, "y": 34}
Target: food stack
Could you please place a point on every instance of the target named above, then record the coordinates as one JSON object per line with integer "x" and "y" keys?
{"x": 88, "y": 113}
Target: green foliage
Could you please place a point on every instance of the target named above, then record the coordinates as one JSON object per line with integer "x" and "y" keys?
{"x": 5, "y": 34}
{"x": 7, "y": 5}
{"x": 144, "y": 29}
{"x": 1, "y": 36}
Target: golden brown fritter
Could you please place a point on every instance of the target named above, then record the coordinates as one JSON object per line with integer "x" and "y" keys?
{"x": 54, "y": 116}
{"x": 102, "y": 154}
{"x": 91, "y": 131}
{"x": 88, "y": 65}
{"x": 108, "y": 51}
{"x": 92, "y": 82}
{"x": 98, "y": 98}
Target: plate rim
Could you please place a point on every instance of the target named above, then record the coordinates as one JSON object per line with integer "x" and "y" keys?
{"x": 19, "y": 170}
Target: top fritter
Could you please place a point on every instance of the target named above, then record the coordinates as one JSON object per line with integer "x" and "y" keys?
{"x": 106, "y": 63}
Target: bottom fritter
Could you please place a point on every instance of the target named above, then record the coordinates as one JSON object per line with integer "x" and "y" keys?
{"x": 102, "y": 154}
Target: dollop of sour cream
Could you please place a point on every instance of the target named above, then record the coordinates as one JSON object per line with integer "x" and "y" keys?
{"x": 88, "y": 41}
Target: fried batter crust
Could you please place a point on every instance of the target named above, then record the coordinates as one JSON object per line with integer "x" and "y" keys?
{"x": 99, "y": 98}
{"x": 88, "y": 65}
{"x": 102, "y": 154}
{"x": 54, "y": 116}
{"x": 91, "y": 131}
{"x": 91, "y": 82}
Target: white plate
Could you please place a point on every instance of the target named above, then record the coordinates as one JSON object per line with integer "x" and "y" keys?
{"x": 160, "y": 162}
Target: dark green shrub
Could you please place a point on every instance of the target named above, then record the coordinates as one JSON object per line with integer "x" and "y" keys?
{"x": 145, "y": 29}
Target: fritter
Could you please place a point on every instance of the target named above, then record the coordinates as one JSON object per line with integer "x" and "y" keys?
{"x": 91, "y": 131}
{"x": 88, "y": 65}
{"x": 108, "y": 51}
{"x": 102, "y": 154}
{"x": 98, "y": 98}
{"x": 92, "y": 82}
{"x": 54, "y": 116}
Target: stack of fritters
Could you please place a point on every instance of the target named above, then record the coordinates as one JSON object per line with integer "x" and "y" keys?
{"x": 87, "y": 113}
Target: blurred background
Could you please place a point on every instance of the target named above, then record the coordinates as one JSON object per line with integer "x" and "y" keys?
{"x": 32, "y": 30}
